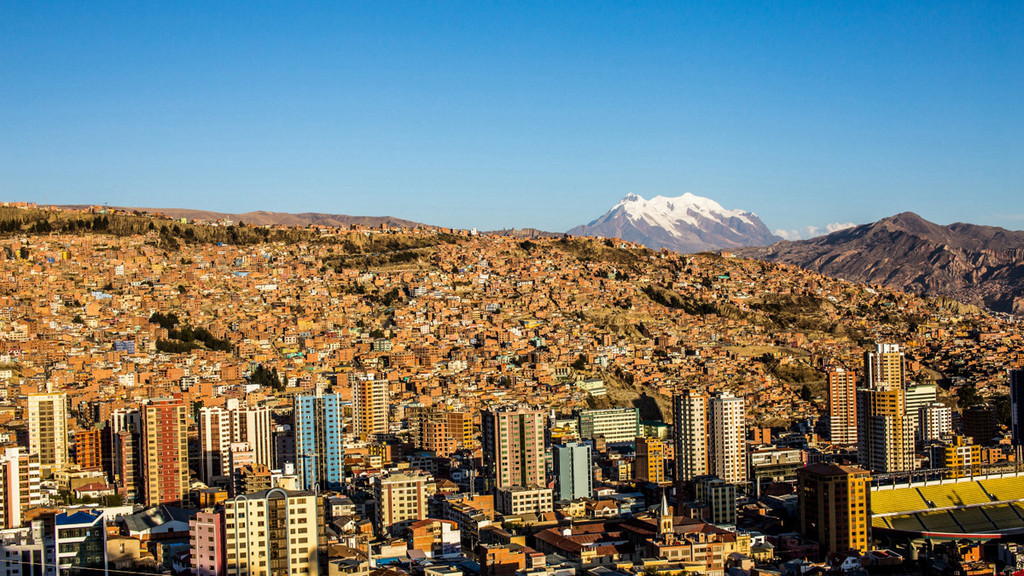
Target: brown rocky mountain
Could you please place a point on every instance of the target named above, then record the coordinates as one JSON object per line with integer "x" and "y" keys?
{"x": 981, "y": 265}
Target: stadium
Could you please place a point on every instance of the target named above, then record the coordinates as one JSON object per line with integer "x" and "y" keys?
{"x": 976, "y": 508}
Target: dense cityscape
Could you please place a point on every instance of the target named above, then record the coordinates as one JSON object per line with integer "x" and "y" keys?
{"x": 220, "y": 398}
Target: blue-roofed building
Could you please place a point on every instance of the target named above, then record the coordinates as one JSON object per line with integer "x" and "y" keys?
{"x": 56, "y": 543}
{"x": 80, "y": 540}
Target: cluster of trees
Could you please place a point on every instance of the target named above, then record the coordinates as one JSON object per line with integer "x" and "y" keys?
{"x": 166, "y": 321}
{"x": 186, "y": 338}
{"x": 266, "y": 377}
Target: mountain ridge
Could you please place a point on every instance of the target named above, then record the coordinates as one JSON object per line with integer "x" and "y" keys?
{"x": 979, "y": 265}
{"x": 268, "y": 218}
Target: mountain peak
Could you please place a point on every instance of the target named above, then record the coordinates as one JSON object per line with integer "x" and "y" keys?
{"x": 687, "y": 223}
{"x": 976, "y": 264}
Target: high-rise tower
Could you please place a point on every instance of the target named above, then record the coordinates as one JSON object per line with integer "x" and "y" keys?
{"x": 835, "y": 507}
{"x": 164, "y": 452}
{"x": 689, "y": 424}
{"x": 726, "y": 438}
{"x": 885, "y": 436}
{"x": 369, "y": 406}
{"x": 319, "y": 445}
{"x": 842, "y": 405}
{"x": 220, "y": 427}
{"x": 514, "y": 446}
{"x": 1017, "y": 407}
{"x": 574, "y": 471}
{"x": 885, "y": 365}
{"x": 47, "y": 431}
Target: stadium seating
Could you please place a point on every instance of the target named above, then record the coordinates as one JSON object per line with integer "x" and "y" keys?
{"x": 939, "y": 522}
{"x": 1005, "y": 488}
{"x": 899, "y": 500}
{"x": 959, "y": 494}
{"x": 974, "y": 520}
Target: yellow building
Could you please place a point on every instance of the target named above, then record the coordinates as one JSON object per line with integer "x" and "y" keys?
{"x": 650, "y": 460}
{"x": 835, "y": 507}
{"x": 958, "y": 457}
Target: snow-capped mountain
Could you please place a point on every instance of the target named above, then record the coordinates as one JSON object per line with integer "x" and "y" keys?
{"x": 688, "y": 223}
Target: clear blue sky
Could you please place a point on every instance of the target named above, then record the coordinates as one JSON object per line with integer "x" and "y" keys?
{"x": 489, "y": 115}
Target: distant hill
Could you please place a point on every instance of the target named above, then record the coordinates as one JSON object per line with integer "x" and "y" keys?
{"x": 263, "y": 218}
{"x": 526, "y": 233}
{"x": 686, "y": 224}
{"x": 981, "y": 265}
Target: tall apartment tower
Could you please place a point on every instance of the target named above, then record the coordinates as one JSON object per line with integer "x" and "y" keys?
{"x": 884, "y": 365}
{"x": 573, "y": 465}
{"x": 219, "y": 428}
{"x": 369, "y": 406}
{"x": 319, "y": 444}
{"x": 20, "y": 486}
{"x": 650, "y": 460}
{"x": 47, "y": 431}
{"x": 514, "y": 446}
{"x": 164, "y": 452}
{"x": 689, "y": 424}
{"x": 885, "y": 435}
{"x": 727, "y": 454}
{"x": 917, "y": 397}
{"x": 89, "y": 449}
{"x": 842, "y": 405}
{"x": 835, "y": 507}
{"x": 124, "y": 431}
{"x": 270, "y": 533}
{"x": 1017, "y": 407}
{"x": 934, "y": 421}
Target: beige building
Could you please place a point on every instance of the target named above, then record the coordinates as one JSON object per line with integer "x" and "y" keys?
{"x": 885, "y": 365}
{"x": 885, "y": 436}
{"x": 272, "y": 532}
{"x": 689, "y": 423}
{"x": 842, "y": 405}
{"x": 401, "y": 500}
{"x": 47, "y": 431}
{"x": 221, "y": 427}
{"x": 517, "y": 500}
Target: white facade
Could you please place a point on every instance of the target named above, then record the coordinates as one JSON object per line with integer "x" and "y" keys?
{"x": 726, "y": 438}
{"x": 219, "y": 428}
{"x": 936, "y": 419}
